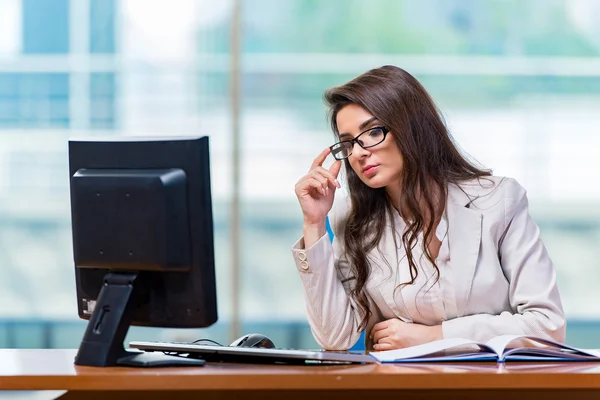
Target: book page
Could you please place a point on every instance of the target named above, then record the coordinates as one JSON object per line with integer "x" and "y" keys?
{"x": 553, "y": 349}
{"x": 542, "y": 348}
{"x": 421, "y": 350}
{"x": 500, "y": 343}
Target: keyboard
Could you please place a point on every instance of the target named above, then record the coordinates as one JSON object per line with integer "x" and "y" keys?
{"x": 215, "y": 353}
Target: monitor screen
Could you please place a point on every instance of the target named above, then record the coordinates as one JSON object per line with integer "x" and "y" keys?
{"x": 141, "y": 214}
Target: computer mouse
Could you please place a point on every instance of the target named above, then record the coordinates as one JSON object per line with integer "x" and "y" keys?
{"x": 254, "y": 340}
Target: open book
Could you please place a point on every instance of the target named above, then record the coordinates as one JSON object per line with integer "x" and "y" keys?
{"x": 501, "y": 348}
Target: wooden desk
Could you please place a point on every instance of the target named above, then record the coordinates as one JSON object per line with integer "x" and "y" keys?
{"x": 54, "y": 370}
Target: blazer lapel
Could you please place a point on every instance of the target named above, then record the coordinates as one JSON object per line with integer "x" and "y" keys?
{"x": 464, "y": 240}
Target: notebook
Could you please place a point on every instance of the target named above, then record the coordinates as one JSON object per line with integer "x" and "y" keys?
{"x": 214, "y": 353}
{"x": 501, "y": 348}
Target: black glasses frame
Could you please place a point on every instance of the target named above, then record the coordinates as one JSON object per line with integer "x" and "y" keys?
{"x": 351, "y": 142}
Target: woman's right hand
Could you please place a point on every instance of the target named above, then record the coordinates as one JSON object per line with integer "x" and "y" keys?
{"x": 316, "y": 190}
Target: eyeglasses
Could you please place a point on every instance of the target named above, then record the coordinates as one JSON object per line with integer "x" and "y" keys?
{"x": 369, "y": 138}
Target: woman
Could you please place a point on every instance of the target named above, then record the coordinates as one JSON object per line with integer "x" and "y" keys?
{"x": 427, "y": 246}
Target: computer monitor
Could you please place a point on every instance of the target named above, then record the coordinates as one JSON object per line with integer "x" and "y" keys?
{"x": 141, "y": 214}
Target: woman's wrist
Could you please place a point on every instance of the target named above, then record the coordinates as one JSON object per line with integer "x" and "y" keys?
{"x": 313, "y": 231}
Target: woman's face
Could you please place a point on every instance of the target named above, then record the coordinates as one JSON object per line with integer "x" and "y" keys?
{"x": 378, "y": 166}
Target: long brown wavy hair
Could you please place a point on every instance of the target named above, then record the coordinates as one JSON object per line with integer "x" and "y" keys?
{"x": 430, "y": 159}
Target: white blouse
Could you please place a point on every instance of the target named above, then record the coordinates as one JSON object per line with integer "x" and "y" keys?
{"x": 427, "y": 301}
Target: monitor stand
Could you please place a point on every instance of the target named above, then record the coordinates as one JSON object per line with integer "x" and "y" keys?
{"x": 102, "y": 343}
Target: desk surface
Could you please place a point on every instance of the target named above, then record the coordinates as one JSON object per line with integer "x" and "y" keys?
{"x": 22, "y": 369}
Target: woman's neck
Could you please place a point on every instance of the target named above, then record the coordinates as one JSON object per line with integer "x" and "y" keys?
{"x": 393, "y": 191}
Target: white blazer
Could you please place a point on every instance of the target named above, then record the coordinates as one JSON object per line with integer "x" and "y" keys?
{"x": 504, "y": 281}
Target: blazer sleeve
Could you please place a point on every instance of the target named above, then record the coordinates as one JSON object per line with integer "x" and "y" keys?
{"x": 533, "y": 291}
{"x": 334, "y": 320}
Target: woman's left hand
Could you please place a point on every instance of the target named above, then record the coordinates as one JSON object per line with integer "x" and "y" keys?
{"x": 396, "y": 334}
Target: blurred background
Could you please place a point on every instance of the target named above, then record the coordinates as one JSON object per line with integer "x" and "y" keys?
{"x": 518, "y": 82}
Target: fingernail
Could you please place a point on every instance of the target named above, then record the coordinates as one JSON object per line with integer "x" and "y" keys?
{"x": 323, "y": 191}
{"x": 337, "y": 184}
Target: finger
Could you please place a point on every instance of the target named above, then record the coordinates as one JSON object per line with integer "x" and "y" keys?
{"x": 304, "y": 184}
{"x": 317, "y": 186}
{"x": 335, "y": 169}
{"x": 320, "y": 158}
{"x": 380, "y": 335}
{"x": 383, "y": 347}
{"x": 379, "y": 326}
{"x": 321, "y": 178}
{"x": 398, "y": 343}
{"x": 309, "y": 179}
{"x": 328, "y": 176}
